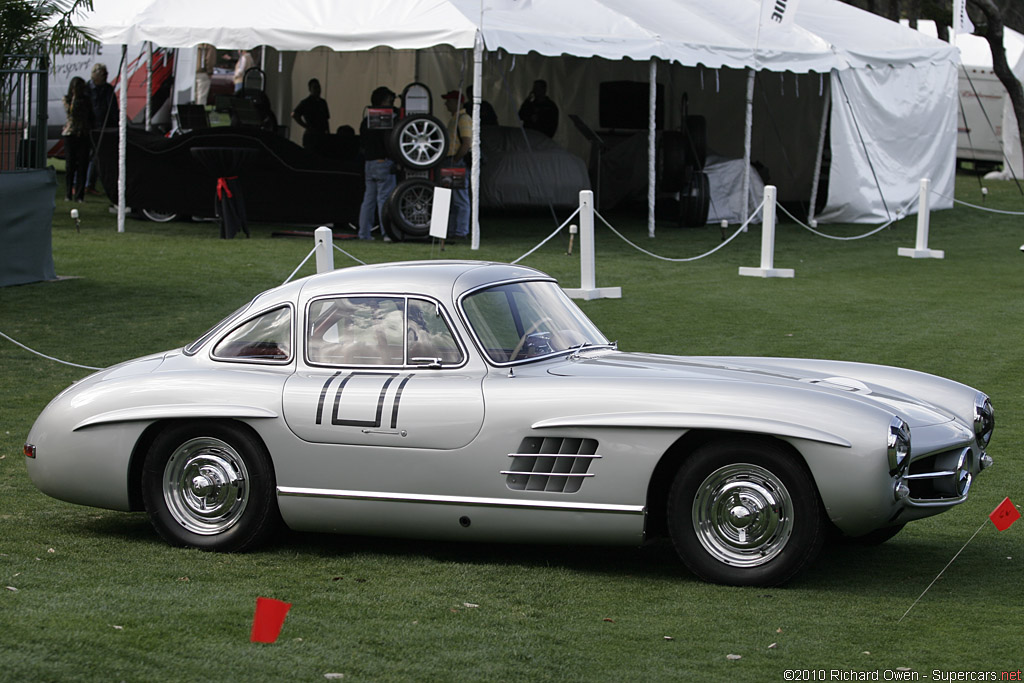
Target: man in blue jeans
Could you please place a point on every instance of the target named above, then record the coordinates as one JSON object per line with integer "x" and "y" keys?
{"x": 378, "y": 170}
{"x": 460, "y": 135}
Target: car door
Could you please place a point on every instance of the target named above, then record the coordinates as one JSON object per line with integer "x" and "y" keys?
{"x": 383, "y": 370}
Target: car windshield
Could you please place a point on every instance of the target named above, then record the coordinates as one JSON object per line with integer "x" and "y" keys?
{"x": 525, "y": 320}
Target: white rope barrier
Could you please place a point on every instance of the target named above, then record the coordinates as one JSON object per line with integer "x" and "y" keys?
{"x": 43, "y": 355}
{"x": 362, "y": 263}
{"x": 308, "y": 256}
{"x": 980, "y": 208}
{"x": 681, "y": 260}
{"x": 549, "y": 237}
{"x": 900, "y": 215}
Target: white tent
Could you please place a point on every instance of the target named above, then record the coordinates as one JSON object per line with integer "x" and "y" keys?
{"x": 988, "y": 125}
{"x": 892, "y": 118}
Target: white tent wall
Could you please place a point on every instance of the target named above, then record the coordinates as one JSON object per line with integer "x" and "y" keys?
{"x": 884, "y": 141}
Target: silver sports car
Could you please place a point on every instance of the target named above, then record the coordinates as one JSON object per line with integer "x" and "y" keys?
{"x": 474, "y": 401}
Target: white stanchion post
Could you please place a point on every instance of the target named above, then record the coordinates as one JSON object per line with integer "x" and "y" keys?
{"x": 921, "y": 249}
{"x": 324, "y": 239}
{"x": 588, "y": 273}
{"x": 767, "y": 268}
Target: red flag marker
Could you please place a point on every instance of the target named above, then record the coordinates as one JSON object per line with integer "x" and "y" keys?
{"x": 1005, "y": 515}
{"x": 269, "y": 618}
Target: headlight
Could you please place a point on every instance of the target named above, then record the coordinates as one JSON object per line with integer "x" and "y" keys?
{"x": 898, "y": 445}
{"x": 984, "y": 419}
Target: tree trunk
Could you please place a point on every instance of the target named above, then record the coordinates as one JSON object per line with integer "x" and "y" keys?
{"x": 994, "y": 36}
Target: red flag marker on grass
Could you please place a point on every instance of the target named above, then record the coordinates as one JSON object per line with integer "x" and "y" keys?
{"x": 269, "y": 618}
{"x": 1004, "y": 515}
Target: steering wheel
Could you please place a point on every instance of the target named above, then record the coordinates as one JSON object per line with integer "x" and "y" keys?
{"x": 526, "y": 335}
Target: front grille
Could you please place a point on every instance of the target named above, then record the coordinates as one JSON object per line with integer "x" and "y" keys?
{"x": 551, "y": 464}
{"x": 940, "y": 476}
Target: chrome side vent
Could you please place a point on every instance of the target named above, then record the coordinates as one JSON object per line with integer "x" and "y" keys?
{"x": 551, "y": 464}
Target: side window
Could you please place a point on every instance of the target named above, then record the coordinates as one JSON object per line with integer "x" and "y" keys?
{"x": 429, "y": 336}
{"x": 265, "y": 338}
{"x": 356, "y": 331}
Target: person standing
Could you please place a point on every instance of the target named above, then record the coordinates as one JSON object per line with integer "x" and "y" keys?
{"x": 539, "y": 111}
{"x": 104, "y": 115}
{"x": 460, "y": 134}
{"x": 76, "y": 137}
{"x": 378, "y": 169}
{"x": 313, "y": 115}
{"x": 206, "y": 58}
{"x": 244, "y": 63}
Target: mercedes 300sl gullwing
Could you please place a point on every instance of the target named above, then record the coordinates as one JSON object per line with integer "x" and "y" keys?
{"x": 462, "y": 400}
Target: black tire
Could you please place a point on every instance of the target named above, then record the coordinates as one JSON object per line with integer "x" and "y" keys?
{"x": 419, "y": 142}
{"x": 388, "y": 229}
{"x": 210, "y": 485}
{"x": 159, "y": 216}
{"x": 695, "y": 201}
{"x": 745, "y": 512}
{"x": 409, "y": 207}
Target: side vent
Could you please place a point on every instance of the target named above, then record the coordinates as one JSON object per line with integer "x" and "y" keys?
{"x": 551, "y": 464}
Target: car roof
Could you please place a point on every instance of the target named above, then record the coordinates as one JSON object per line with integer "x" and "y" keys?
{"x": 439, "y": 279}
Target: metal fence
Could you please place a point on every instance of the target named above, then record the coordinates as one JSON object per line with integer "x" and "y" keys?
{"x": 23, "y": 104}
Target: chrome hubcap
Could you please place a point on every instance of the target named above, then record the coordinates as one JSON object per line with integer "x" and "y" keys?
{"x": 743, "y": 515}
{"x": 205, "y": 486}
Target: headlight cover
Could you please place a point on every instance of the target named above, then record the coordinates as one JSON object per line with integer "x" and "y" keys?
{"x": 984, "y": 419}
{"x": 898, "y": 445}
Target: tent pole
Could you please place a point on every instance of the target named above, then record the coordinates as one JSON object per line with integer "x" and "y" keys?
{"x": 747, "y": 127}
{"x": 149, "y": 85}
{"x": 122, "y": 139}
{"x": 821, "y": 153}
{"x": 474, "y": 171}
{"x": 651, "y": 147}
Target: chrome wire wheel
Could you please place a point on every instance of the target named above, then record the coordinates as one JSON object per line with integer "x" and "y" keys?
{"x": 206, "y": 486}
{"x": 743, "y": 515}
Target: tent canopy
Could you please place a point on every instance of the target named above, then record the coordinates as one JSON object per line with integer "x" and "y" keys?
{"x": 900, "y": 83}
{"x": 827, "y": 34}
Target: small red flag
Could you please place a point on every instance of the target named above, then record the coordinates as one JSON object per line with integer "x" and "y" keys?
{"x": 1005, "y": 515}
{"x": 269, "y": 618}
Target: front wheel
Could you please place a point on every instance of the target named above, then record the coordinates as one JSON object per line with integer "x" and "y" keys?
{"x": 210, "y": 486}
{"x": 746, "y": 513}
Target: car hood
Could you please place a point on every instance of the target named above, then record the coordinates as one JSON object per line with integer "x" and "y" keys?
{"x": 808, "y": 375}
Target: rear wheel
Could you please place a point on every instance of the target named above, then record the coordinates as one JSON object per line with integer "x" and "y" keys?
{"x": 745, "y": 512}
{"x": 210, "y": 486}
{"x": 159, "y": 216}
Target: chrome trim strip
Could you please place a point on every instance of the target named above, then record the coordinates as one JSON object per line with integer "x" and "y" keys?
{"x": 548, "y": 474}
{"x": 460, "y": 500}
{"x": 930, "y": 475}
{"x": 935, "y": 502}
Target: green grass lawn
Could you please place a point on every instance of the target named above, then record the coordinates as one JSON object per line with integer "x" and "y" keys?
{"x": 89, "y": 594}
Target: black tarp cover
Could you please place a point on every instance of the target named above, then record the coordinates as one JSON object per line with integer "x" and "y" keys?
{"x": 282, "y": 182}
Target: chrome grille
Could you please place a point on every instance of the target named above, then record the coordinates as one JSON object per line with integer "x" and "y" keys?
{"x": 551, "y": 464}
{"x": 940, "y": 476}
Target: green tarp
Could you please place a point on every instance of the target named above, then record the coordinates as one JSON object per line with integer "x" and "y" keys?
{"x": 26, "y": 219}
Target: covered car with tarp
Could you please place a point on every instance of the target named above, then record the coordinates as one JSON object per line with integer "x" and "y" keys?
{"x": 281, "y": 181}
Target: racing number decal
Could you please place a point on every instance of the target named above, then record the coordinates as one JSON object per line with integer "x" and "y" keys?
{"x": 375, "y": 423}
